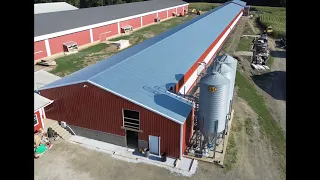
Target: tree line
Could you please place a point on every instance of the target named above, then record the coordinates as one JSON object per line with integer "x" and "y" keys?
{"x": 276, "y": 3}
{"x": 95, "y": 3}
{"x": 89, "y": 3}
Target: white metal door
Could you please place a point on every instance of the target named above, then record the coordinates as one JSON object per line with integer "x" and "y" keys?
{"x": 154, "y": 144}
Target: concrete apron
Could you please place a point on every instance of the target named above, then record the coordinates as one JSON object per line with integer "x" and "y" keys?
{"x": 185, "y": 166}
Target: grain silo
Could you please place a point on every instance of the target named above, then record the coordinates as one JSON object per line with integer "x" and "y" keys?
{"x": 214, "y": 94}
{"x": 228, "y": 72}
{"x": 230, "y": 61}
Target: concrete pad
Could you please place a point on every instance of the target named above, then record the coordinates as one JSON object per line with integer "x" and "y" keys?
{"x": 77, "y": 139}
{"x": 185, "y": 163}
{"x": 126, "y": 154}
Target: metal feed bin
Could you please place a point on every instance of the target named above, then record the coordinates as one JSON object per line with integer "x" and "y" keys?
{"x": 229, "y": 60}
{"x": 227, "y": 72}
{"x": 214, "y": 91}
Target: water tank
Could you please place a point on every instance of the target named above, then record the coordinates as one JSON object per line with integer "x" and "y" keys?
{"x": 214, "y": 91}
{"x": 230, "y": 61}
{"x": 228, "y": 72}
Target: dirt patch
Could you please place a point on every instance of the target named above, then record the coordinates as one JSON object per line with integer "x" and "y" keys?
{"x": 254, "y": 159}
{"x": 236, "y": 35}
{"x": 96, "y": 57}
{"x": 148, "y": 35}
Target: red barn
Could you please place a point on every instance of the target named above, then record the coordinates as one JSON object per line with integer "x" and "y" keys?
{"x": 136, "y": 97}
{"x": 41, "y": 78}
{"x": 92, "y": 25}
{"x": 39, "y": 113}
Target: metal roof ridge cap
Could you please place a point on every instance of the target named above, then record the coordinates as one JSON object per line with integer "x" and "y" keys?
{"x": 144, "y": 49}
{"x": 137, "y": 103}
{"x": 61, "y": 85}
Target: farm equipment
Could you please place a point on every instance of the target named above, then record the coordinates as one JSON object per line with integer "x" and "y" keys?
{"x": 269, "y": 30}
{"x": 260, "y": 52}
{"x": 199, "y": 12}
{"x": 194, "y": 11}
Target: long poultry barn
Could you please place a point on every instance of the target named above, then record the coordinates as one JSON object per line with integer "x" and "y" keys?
{"x": 55, "y": 31}
{"x": 134, "y": 98}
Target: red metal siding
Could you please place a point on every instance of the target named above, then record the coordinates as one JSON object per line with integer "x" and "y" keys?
{"x": 39, "y": 50}
{"x": 171, "y": 11}
{"x": 135, "y": 23}
{"x": 103, "y": 32}
{"x": 186, "y": 8}
{"x": 93, "y": 108}
{"x": 148, "y": 19}
{"x": 203, "y": 56}
{"x": 180, "y": 10}
{"x": 162, "y": 15}
{"x": 187, "y": 131}
{"x": 81, "y": 38}
{"x": 40, "y": 125}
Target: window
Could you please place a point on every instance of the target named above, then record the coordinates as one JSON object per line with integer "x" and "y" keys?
{"x": 131, "y": 119}
{"x": 35, "y": 120}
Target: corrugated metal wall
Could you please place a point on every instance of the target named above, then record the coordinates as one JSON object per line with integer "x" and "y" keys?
{"x": 81, "y": 38}
{"x": 39, "y": 125}
{"x": 135, "y": 23}
{"x": 93, "y": 108}
{"x": 101, "y": 33}
{"x": 187, "y": 131}
{"x": 162, "y": 15}
{"x": 171, "y": 11}
{"x": 180, "y": 10}
{"x": 148, "y": 19}
{"x": 39, "y": 50}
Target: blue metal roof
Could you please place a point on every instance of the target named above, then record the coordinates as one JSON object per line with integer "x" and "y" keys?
{"x": 144, "y": 72}
{"x": 242, "y": 3}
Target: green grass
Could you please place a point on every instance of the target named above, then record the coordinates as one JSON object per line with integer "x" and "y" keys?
{"x": 236, "y": 125}
{"x": 74, "y": 62}
{"x": 249, "y": 127}
{"x": 245, "y": 44}
{"x": 270, "y": 62}
{"x": 268, "y": 126}
{"x": 231, "y": 155}
{"x": 202, "y": 6}
{"x": 248, "y": 30}
{"x": 142, "y": 34}
{"x": 272, "y": 16}
{"x": 232, "y": 150}
{"x": 226, "y": 44}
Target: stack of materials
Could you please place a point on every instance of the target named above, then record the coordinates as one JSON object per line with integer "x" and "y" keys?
{"x": 41, "y": 143}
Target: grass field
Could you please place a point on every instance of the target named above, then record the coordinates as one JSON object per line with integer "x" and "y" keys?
{"x": 201, "y": 6}
{"x": 246, "y": 42}
{"x": 269, "y": 127}
{"x": 71, "y": 63}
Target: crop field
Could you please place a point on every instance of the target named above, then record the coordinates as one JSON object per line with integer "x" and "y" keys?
{"x": 201, "y": 6}
{"x": 274, "y": 17}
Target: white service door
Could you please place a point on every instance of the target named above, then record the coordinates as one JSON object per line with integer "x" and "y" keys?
{"x": 154, "y": 144}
